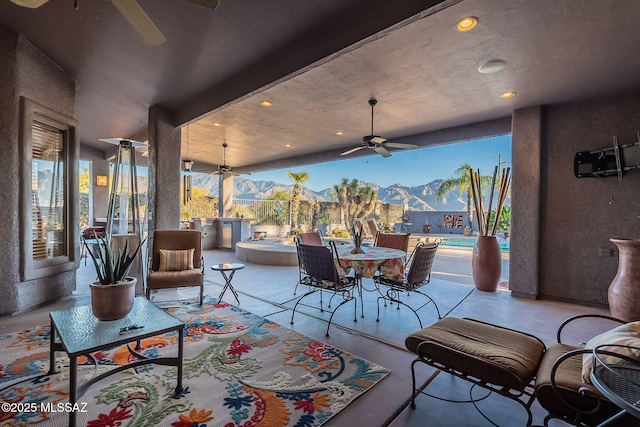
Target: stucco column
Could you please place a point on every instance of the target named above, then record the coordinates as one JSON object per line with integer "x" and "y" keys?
{"x": 225, "y": 195}
{"x": 163, "y": 196}
{"x": 524, "y": 256}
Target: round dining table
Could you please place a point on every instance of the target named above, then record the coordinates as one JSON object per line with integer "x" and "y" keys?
{"x": 390, "y": 263}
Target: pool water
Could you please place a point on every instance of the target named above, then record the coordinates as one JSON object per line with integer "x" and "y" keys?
{"x": 468, "y": 243}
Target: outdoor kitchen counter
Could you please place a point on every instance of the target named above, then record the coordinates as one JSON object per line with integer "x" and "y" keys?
{"x": 222, "y": 233}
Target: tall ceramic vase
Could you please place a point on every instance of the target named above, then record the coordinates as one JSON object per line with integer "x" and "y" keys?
{"x": 486, "y": 264}
{"x": 624, "y": 290}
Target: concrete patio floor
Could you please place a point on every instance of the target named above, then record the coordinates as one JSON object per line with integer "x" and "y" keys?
{"x": 268, "y": 291}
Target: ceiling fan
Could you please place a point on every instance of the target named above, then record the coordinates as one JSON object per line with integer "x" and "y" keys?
{"x": 224, "y": 168}
{"x": 133, "y": 13}
{"x": 378, "y": 143}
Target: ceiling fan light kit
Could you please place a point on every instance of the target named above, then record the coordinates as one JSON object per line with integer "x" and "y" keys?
{"x": 376, "y": 142}
{"x": 224, "y": 169}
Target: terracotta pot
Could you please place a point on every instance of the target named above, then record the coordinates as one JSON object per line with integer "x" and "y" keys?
{"x": 486, "y": 263}
{"x": 113, "y": 302}
{"x": 624, "y": 290}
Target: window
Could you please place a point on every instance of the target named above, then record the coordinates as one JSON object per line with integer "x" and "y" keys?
{"x": 49, "y": 177}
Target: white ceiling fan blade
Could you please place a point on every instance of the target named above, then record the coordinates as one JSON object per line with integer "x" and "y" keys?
{"x": 382, "y": 151}
{"x": 140, "y": 21}
{"x": 31, "y": 4}
{"x": 377, "y": 139}
{"x": 353, "y": 150}
{"x": 209, "y": 4}
{"x": 400, "y": 145}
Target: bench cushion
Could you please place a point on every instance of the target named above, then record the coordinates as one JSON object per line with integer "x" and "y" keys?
{"x": 487, "y": 352}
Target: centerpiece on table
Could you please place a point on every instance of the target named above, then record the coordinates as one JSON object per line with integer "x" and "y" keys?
{"x": 356, "y": 235}
{"x": 486, "y": 264}
{"x": 113, "y": 294}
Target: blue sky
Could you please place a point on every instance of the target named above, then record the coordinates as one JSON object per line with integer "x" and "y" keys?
{"x": 409, "y": 168}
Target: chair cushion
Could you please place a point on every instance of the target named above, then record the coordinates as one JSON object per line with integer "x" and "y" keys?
{"x": 493, "y": 354}
{"x": 344, "y": 282}
{"x": 176, "y": 260}
{"x": 399, "y": 284}
{"x": 175, "y": 279}
{"x": 623, "y": 335}
{"x": 569, "y": 381}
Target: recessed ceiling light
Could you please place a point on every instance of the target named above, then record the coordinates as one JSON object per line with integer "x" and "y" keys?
{"x": 339, "y": 133}
{"x": 266, "y": 103}
{"x": 467, "y": 23}
{"x": 287, "y": 145}
{"x": 492, "y": 66}
{"x": 508, "y": 94}
{"x": 217, "y": 124}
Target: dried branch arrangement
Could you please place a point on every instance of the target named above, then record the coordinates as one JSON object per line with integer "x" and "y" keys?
{"x": 485, "y": 228}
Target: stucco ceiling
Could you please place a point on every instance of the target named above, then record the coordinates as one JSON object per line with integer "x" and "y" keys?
{"x": 320, "y": 61}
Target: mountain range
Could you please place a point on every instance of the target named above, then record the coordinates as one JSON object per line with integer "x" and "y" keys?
{"x": 422, "y": 197}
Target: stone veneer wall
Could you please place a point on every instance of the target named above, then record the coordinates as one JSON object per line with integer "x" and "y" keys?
{"x": 564, "y": 254}
{"x": 25, "y": 72}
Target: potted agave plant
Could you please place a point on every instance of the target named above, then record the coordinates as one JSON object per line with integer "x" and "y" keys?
{"x": 113, "y": 294}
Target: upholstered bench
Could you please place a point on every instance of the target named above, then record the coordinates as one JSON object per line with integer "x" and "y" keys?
{"x": 501, "y": 360}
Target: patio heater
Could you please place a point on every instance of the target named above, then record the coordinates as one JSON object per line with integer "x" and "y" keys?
{"x": 123, "y": 215}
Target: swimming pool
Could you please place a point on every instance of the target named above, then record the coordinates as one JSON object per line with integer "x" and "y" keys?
{"x": 465, "y": 243}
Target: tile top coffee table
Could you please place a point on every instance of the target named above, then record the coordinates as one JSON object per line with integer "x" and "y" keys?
{"x": 81, "y": 334}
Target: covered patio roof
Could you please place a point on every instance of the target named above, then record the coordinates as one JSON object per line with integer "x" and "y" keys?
{"x": 320, "y": 62}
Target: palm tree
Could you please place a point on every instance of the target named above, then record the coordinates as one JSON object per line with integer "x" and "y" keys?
{"x": 298, "y": 178}
{"x": 462, "y": 181}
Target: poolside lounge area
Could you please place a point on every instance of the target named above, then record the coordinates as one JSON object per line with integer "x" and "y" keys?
{"x": 268, "y": 291}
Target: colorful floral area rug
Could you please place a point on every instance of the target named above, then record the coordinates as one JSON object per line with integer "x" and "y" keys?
{"x": 239, "y": 370}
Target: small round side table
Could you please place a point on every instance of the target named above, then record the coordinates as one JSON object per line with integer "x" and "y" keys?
{"x": 224, "y": 269}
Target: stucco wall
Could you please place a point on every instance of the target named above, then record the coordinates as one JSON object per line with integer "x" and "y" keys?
{"x": 576, "y": 216}
{"x": 163, "y": 207}
{"x": 579, "y": 216}
{"x": 525, "y": 201}
{"x": 25, "y": 72}
{"x": 9, "y": 256}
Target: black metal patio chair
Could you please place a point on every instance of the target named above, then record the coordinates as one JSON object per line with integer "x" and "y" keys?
{"x": 419, "y": 275}
{"x": 319, "y": 264}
